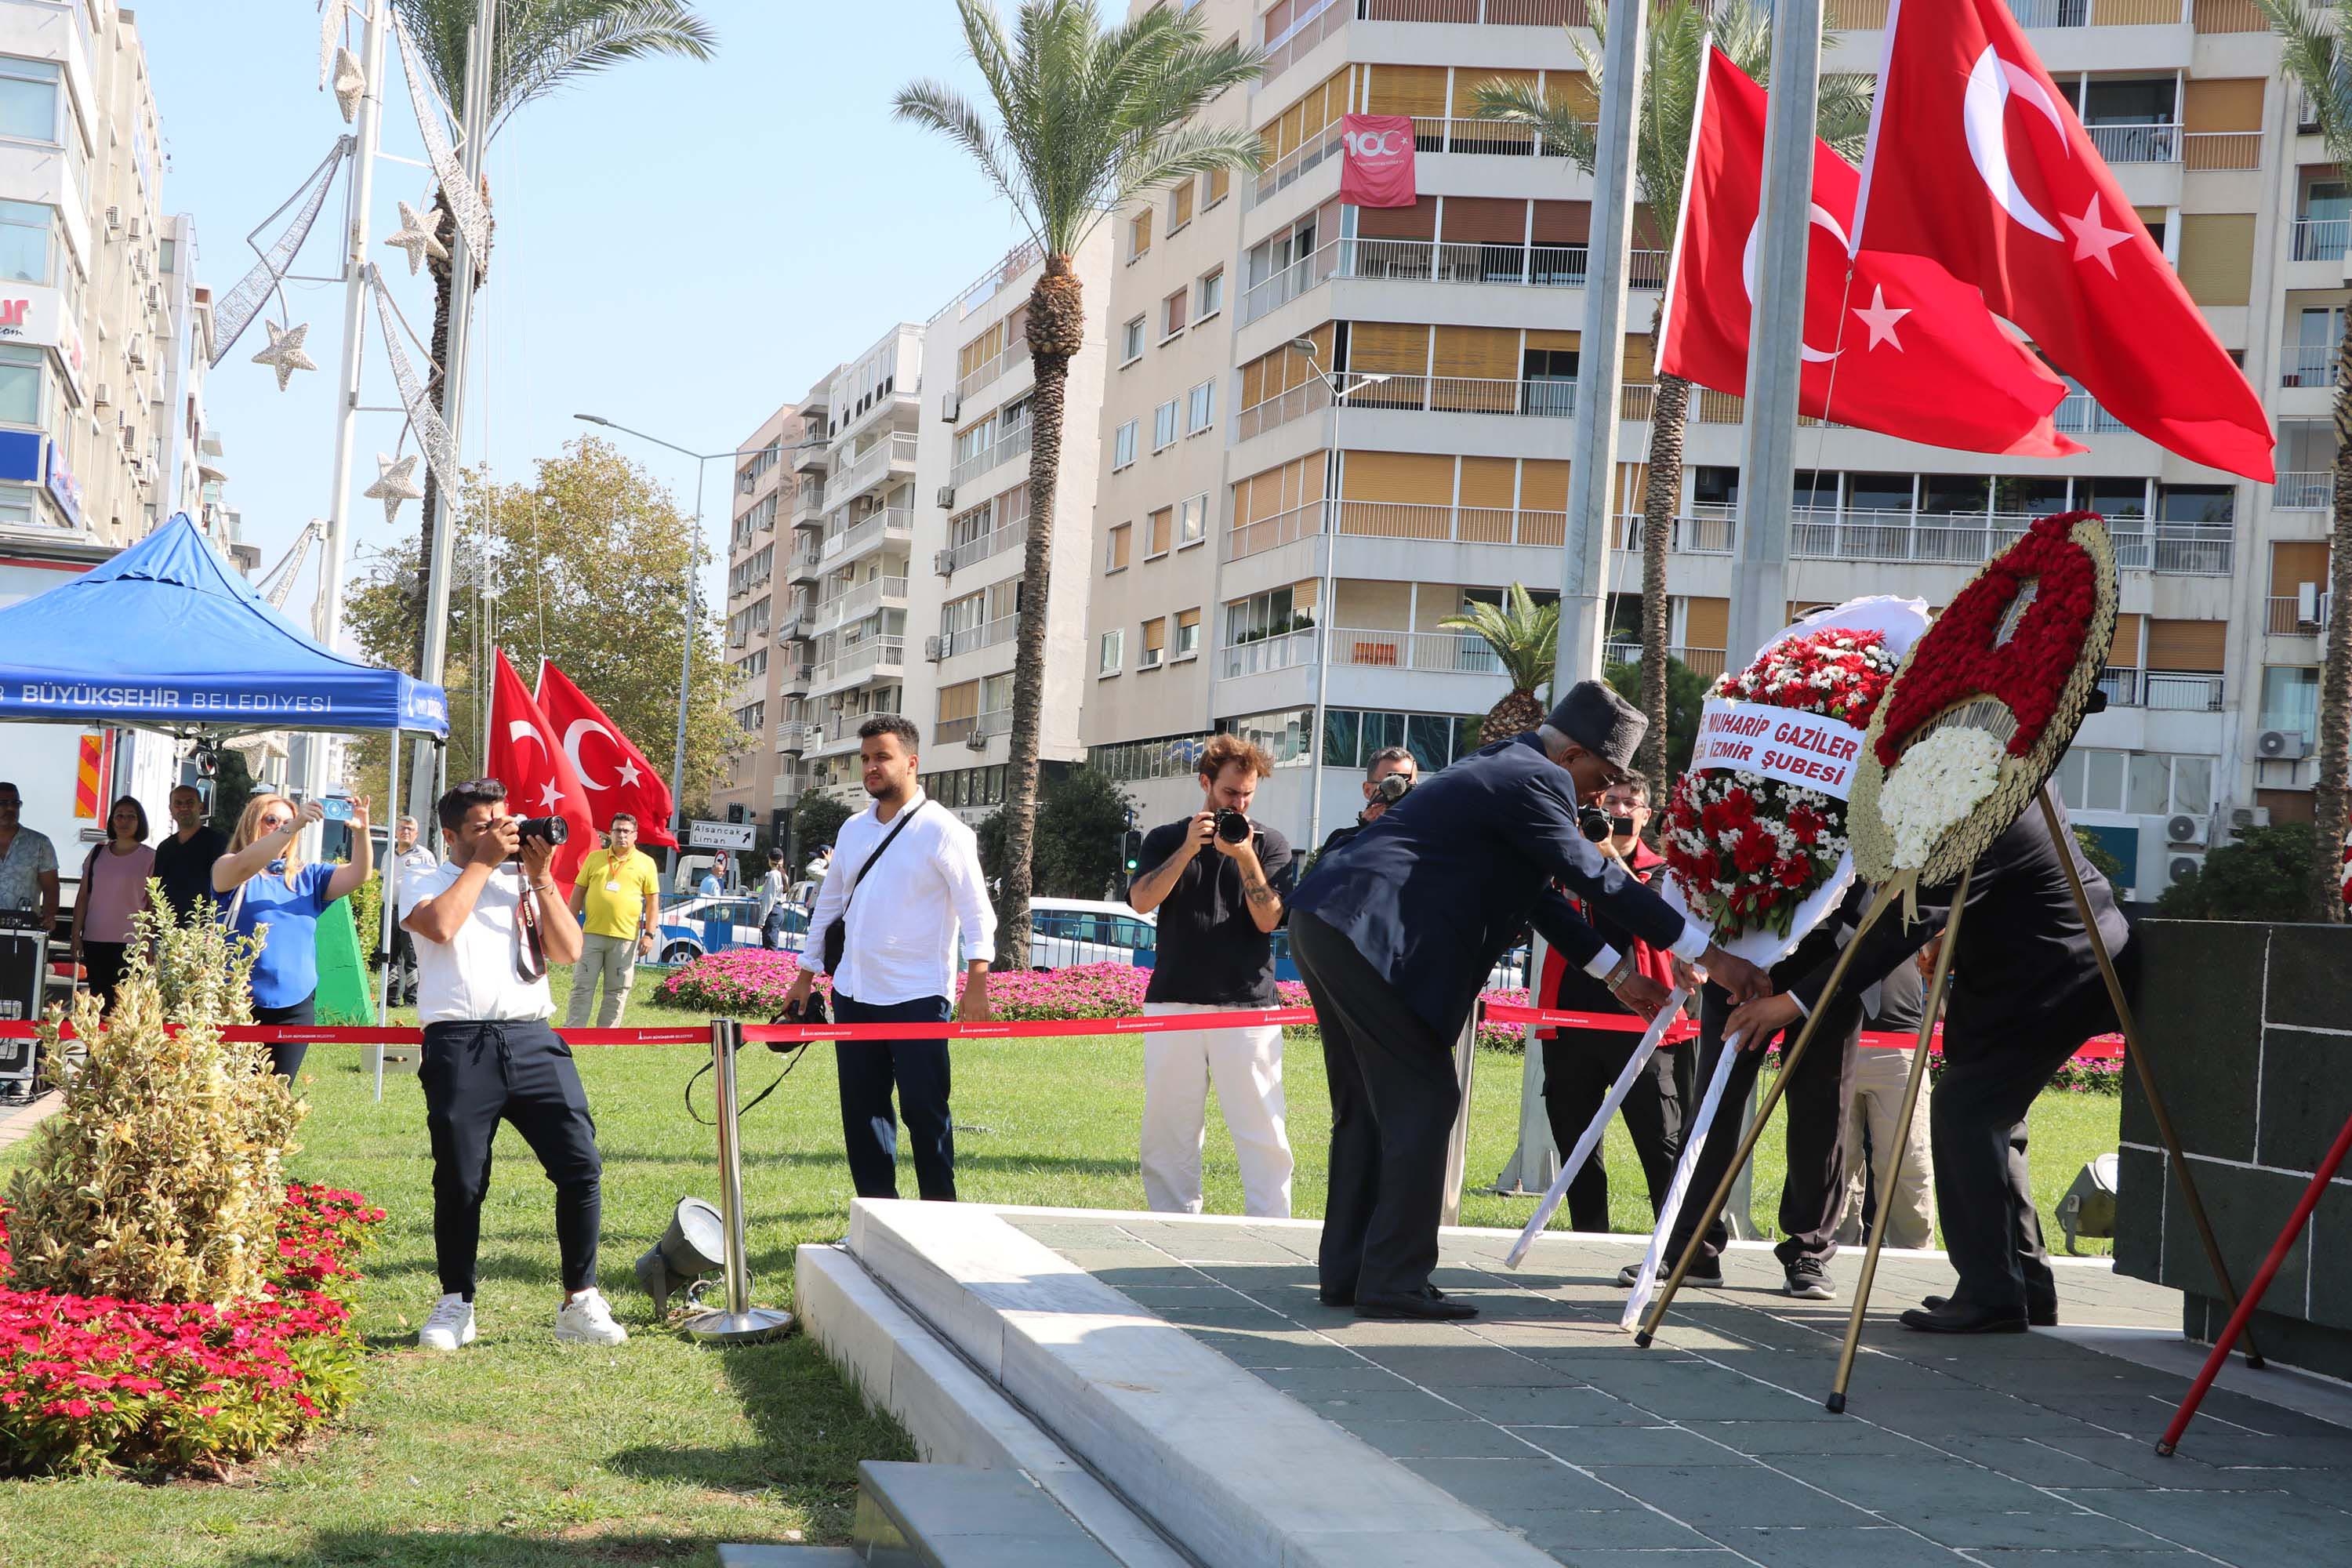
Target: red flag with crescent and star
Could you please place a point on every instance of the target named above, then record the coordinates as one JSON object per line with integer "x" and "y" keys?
{"x": 1902, "y": 348}
{"x": 1978, "y": 162}
{"x": 616, "y": 773}
{"x": 527, "y": 756}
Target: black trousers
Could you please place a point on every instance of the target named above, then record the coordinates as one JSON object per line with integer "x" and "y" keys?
{"x": 286, "y": 1060}
{"x": 1984, "y": 1192}
{"x": 1580, "y": 1066}
{"x": 1393, "y": 1100}
{"x": 104, "y": 962}
{"x": 869, "y": 1124}
{"x": 1812, "y": 1108}
{"x": 400, "y": 984}
{"x": 476, "y": 1074}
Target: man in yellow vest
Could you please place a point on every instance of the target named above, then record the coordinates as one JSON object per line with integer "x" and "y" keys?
{"x": 617, "y": 901}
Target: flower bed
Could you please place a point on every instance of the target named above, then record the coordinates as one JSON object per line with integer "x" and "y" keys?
{"x": 752, "y": 982}
{"x": 90, "y": 1383}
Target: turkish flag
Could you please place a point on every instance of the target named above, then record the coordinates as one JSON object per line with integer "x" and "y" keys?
{"x": 1976, "y": 161}
{"x": 617, "y": 774}
{"x": 1376, "y": 161}
{"x": 1904, "y": 348}
{"x": 527, "y": 756}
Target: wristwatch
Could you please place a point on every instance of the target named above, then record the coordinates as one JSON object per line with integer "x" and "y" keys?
{"x": 1623, "y": 972}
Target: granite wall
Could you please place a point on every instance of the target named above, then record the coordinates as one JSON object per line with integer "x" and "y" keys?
{"x": 2249, "y": 1030}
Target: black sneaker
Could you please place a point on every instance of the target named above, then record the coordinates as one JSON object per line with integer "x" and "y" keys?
{"x": 1707, "y": 1272}
{"x": 1809, "y": 1280}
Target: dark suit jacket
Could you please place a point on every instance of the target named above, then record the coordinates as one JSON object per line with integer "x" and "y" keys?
{"x": 1435, "y": 892}
{"x": 2022, "y": 946}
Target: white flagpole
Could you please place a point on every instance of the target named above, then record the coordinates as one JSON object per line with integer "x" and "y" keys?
{"x": 1694, "y": 1141}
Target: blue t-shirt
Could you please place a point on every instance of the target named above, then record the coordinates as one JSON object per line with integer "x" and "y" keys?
{"x": 288, "y": 969}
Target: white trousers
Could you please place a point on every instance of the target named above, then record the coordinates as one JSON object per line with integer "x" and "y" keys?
{"x": 1247, "y": 1065}
{"x": 1878, "y": 1083}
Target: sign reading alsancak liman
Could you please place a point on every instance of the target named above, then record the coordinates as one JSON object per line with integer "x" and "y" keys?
{"x": 702, "y": 835}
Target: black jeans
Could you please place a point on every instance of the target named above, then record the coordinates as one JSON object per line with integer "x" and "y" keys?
{"x": 104, "y": 962}
{"x": 476, "y": 1074}
{"x": 400, "y": 984}
{"x": 772, "y": 929}
{"x": 1579, "y": 1068}
{"x": 286, "y": 1060}
{"x": 869, "y": 1126}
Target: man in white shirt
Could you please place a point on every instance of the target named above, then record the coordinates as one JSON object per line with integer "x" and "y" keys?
{"x": 489, "y": 922}
{"x": 408, "y": 864}
{"x": 897, "y": 962}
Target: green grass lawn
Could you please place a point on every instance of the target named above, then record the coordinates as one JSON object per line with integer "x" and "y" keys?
{"x": 518, "y": 1451}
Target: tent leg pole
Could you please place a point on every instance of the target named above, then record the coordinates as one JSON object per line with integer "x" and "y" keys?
{"x": 391, "y": 910}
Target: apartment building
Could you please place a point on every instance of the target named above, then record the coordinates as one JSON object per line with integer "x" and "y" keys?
{"x": 762, "y": 783}
{"x": 971, "y": 530}
{"x": 1336, "y": 532}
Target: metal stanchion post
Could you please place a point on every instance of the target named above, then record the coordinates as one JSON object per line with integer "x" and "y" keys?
{"x": 738, "y": 1322}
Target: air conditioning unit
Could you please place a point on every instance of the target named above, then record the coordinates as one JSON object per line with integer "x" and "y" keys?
{"x": 114, "y": 220}
{"x": 2180, "y": 867}
{"x": 137, "y": 351}
{"x": 947, "y": 495}
{"x": 935, "y": 648}
{"x": 102, "y": 395}
{"x": 132, "y": 230}
{"x": 950, "y": 406}
{"x": 131, "y": 438}
{"x": 2242, "y": 818}
{"x": 943, "y": 563}
{"x": 977, "y": 740}
{"x": 2306, "y": 604}
{"x": 2282, "y": 745}
{"x": 2183, "y": 831}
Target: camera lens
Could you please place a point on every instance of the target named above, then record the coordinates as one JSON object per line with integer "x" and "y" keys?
{"x": 1592, "y": 822}
{"x": 1232, "y": 827}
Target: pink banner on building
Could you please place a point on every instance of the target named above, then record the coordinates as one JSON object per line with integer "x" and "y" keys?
{"x": 1376, "y": 168}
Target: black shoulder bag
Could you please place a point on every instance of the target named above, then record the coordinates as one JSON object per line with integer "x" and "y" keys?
{"x": 836, "y": 935}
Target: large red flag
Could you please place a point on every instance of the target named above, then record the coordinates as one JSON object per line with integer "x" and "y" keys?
{"x": 1376, "y": 161}
{"x": 527, "y": 757}
{"x": 617, "y": 776}
{"x": 1916, "y": 354}
{"x": 1978, "y": 162}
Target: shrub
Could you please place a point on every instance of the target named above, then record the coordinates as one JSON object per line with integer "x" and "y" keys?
{"x": 90, "y": 1383}
{"x": 739, "y": 982}
{"x": 2263, "y": 876}
{"x": 160, "y": 1177}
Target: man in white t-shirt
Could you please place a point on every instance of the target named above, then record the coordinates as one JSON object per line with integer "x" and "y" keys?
{"x": 488, "y": 921}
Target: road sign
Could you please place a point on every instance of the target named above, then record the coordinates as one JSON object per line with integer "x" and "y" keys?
{"x": 701, "y": 835}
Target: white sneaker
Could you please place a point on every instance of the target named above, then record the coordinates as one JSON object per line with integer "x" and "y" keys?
{"x": 587, "y": 1320}
{"x": 451, "y": 1325}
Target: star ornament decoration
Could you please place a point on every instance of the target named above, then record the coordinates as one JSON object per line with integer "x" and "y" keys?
{"x": 351, "y": 83}
{"x": 285, "y": 353}
{"x": 1880, "y": 317}
{"x": 419, "y": 235}
{"x": 394, "y": 482}
{"x": 2092, "y": 238}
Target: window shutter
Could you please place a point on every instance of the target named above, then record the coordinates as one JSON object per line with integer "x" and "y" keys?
{"x": 1705, "y": 622}
{"x": 1418, "y": 221}
{"x": 1490, "y": 220}
{"x": 2216, "y": 256}
{"x": 1490, "y": 482}
{"x": 1158, "y": 527}
{"x": 2197, "y": 646}
{"x": 958, "y": 701}
{"x": 2294, "y": 564}
{"x": 1543, "y": 484}
{"x": 1492, "y": 352}
{"x": 1155, "y": 634}
{"x": 1180, "y": 212}
{"x": 1396, "y": 347}
{"x": 2123, "y": 653}
{"x": 1417, "y": 91}
{"x": 1253, "y": 384}
{"x": 1639, "y": 370}
{"x": 1421, "y": 479}
{"x": 1220, "y": 181}
{"x": 1546, "y": 339}
{"x": 1563, "y": 223}
{"x": 2223, "y": 104}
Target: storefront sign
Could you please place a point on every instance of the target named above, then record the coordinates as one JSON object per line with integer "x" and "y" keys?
{"x": 64, "y": 489}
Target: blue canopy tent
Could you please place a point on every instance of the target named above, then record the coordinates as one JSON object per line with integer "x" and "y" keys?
{"x": 165, "y": 638}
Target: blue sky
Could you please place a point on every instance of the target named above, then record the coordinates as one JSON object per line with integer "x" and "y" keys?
{"x": 681, "y": 247}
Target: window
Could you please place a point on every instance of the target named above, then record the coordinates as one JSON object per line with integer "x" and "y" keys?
{"x": 1188, "y": 634}
{"x": 1171, "y": 315}
{"x": 1163, "y": 425}
{"x": 20, "y": 385}
{"x": 1201, "y": 407}
{"x": 1131, "y": 342}
{"x": 1122, "y": 446}
{"x": 1167, "y": 757}
{"x": 1192, "y": 521}
{"x": 1156, "y": 529}
{"x": 2134, "y": 783}
{"x": 1115, "y": 553}
{"x": 1179, "y": 206}
{"x": 1139, "y": 235}
{"x": 1113, "y": 651}
{"x": 1282, "y": 735}
{"x": 1273, "y": 613}
{"x": 2291, "y": 700}
{"x": 1155, "y": 642}
{"x": 1209, "y": 295}
{"x": 1221, "y": 182}
{"x": 25, "y": 250}
{"x": 28, "y": 100}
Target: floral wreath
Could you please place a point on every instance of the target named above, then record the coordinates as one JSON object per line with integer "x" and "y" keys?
{"x": 1985, "y": 704}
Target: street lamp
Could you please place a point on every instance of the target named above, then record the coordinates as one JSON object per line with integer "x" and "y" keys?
{"x": 1330, "y": 584}
{"x": 693, "y": 596}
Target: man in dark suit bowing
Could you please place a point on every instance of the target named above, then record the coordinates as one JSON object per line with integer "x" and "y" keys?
{"x": 2026, "y": 992}
{"x": 1394, "y": 932}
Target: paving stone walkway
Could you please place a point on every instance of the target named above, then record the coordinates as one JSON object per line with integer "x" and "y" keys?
{"x": 1712, "y": 1447}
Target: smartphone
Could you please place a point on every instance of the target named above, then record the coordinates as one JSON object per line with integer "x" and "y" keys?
{"x": 338, "y": 807}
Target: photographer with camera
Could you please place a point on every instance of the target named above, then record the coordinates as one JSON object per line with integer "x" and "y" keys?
{"x": 1220, "y": 882}
{"x": 272, "y": 896}
{"x": 488, "y": 921}
{"x": 1395, "y": 932}
{"x": 1389, "y": 777}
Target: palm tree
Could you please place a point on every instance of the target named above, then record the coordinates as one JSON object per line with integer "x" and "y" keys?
{"x": 1087, "y": 120}
{"x": 539, "y": 46}
{"x": 2312, "y": 52}
{"x": 1524, "y": 637}
{"x": 1674, "y": 65}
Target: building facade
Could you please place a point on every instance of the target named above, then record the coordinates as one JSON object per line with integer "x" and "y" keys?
{"x": 762, "y": 781}
{"x": 1333, "y": 534}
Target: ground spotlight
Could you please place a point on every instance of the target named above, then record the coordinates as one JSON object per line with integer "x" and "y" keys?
{"x": 688, "y": 1253}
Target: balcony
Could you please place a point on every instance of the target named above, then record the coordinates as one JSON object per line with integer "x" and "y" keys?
{"x": 1701, "y": 661}
{"x": 796, "y": 678}
{"x": 894, "y": 525}
{"x": 2159, "y": 690}
{"x": 875, "y": 657}
{"x": 1481, "y": 138}
{"x": 808, "y": 501}
{"x": 2296, "y": 615}
{"x": 1291, "y": 651}
{"x": 974, "y": 729}
{"x": 1710, "y": 532}
{"x": 861, "y": 600}
{"x": 2202, "y": 150}
{"x": 971, "y": 639}
{"x": 1300, "y": 161}
{"x": 1539, "y": 399}
{"x": 1444, "y": 653}
{"x": 2184, "y": 550}
{"x": 1315, "y": 22}
{"x": 802, "y": 565}
{"x": 1704, "y": 530}
{"x": 1005, "y": 447}
{"x": 989, "y": 369}
{"x": 972, "y": 552}
{"x": 862, "y": 470}
{"x": 2311, "y": 490}
{"x": 1438, "y": 261}
{"x": 2307, "y": 364}
{"x": 2322, "y": 238}
{"x": 2079, "y": 414}
{"x": 2143, "y": 143}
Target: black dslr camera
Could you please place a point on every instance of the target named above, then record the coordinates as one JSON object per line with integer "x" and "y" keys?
{"x": 1232, "y": 827}
{"x": 1593, "y": 822}
{"x": 546, "y": 829}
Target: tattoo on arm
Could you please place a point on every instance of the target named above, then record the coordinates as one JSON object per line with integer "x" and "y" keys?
{"x": 1259, "y": 892}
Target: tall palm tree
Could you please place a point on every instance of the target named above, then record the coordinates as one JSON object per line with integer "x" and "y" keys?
{"x": 1087, "y": 118}
{"x": 1524, "y": 637}
{"x": 2316, "y": 54}
{"x": 1672, "y": 66}
{"x": 538, "y": 46}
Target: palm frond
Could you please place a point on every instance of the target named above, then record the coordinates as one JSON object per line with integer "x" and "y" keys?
{"x": 2310, "y": 49}
{"x": 543, "y": 45}
{"x": 938, "y": 107}
{"x": 1524, "y": 634}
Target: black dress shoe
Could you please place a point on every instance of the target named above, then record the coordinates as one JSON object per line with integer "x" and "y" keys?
{"x": 2040, "y": 1317}
{"x": 1956, "y": 1317}
{"x": 1338, "y": 1298}
{"x": 1429, "y": 1307}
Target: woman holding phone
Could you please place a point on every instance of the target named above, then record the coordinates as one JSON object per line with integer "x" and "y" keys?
{"x": 113, "y": 891}
{"x": 271, "y": 894}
